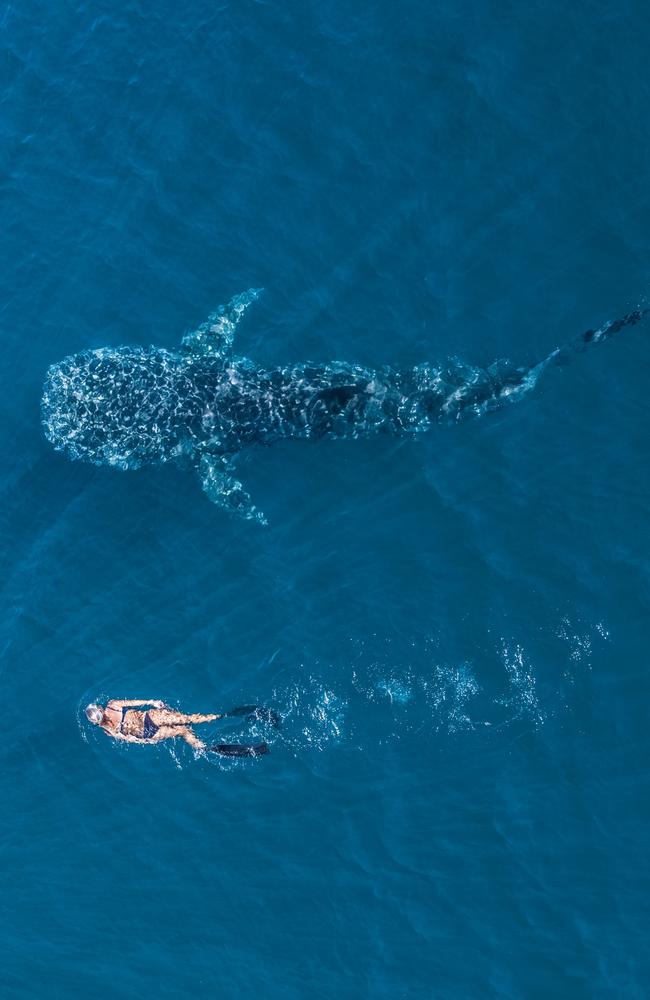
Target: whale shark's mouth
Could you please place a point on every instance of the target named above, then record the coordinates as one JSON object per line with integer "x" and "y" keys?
{"x": 116, "y": 407}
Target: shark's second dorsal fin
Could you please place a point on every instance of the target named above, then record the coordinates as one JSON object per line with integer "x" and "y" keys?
{"x": 216, "y": 335}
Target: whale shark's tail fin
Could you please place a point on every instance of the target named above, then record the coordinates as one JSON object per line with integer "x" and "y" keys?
{"x": 561, "y": 355}
{"x": 472, "y": 392}
{"x": 604, "y": 332}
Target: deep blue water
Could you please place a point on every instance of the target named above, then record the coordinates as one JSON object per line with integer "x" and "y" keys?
{"x": 455, "y": 629}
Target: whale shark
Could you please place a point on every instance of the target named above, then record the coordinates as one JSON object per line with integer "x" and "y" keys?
{"x": 201, "y": 404}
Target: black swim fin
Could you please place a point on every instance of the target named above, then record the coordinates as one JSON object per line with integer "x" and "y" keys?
{"x": 240, "y": 749}
{"x": 256, "y": 713}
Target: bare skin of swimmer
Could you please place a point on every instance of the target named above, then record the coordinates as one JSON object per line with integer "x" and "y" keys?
{"x": 129, "y": 726}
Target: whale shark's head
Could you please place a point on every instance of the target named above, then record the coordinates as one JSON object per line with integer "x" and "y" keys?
{"x": 125, "y": 407}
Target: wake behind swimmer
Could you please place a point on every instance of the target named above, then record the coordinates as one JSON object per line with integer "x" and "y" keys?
{"x": 129, "y": 406}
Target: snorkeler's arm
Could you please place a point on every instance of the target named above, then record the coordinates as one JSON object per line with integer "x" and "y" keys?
{"x": 133, "y": 703}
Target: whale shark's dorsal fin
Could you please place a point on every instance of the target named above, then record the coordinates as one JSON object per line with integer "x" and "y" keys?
{"x": 216, "y": 335}
{"x": 221, "y": 486}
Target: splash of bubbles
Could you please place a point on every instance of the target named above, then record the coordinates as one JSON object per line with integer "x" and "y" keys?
{"x": 314, "y": 712}
{"x": 522, "y": 694}
{"x": 451, "y": 694}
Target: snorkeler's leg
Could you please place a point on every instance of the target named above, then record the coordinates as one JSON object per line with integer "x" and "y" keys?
{"x": 168, "y": 717}
{"x": 174, "y": 732}
{"x": 225, "y": 749}
{"x": 193, "y": 739}
{"x": 196, "y": 719}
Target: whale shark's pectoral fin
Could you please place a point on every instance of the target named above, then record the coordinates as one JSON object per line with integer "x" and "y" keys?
{"x": 216, "y": 335}
{"x": 221, "y": 486}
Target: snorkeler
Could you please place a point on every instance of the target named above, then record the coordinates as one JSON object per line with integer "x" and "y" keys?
{"x": 122, "y": 721}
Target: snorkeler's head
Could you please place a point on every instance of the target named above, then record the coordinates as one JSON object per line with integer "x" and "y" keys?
{"x": 95, "y": 714}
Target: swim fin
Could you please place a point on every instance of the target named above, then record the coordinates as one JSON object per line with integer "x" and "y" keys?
{"x": 240, "y": 749}
{"x": 256, "y": 713}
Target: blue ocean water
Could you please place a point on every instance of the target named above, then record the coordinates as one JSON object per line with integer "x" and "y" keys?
{"x": 454, "y": 629}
